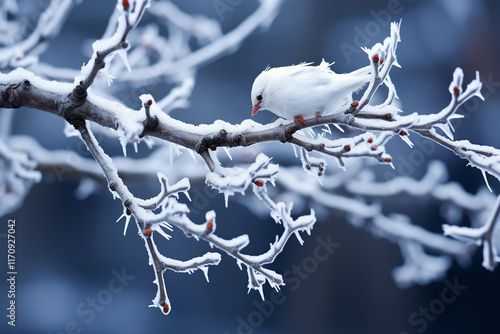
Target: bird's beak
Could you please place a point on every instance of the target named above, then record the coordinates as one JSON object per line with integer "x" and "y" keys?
{"x": 255, "y": 108}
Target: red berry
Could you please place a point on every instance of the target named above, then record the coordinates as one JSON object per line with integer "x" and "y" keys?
{"x": 370, "y": 140}
{"x": 389, "y": 159}
{"x": 381, "y": 61}
{"x": 355, "y": 104}
{"x": 125, "y": 4}
{"x": 320, "y": 174}
{"x": 376, "y": 58}
{"x": 374, "y": 147}
{"x": 456, "y": 90}
{"x": 259, "y": 183}
{"x": 129, "y": 212}
{"x": 210, "y": 225}
{"x": 150, "y": 102}
{"x": 347, "y": 148}
{"x": 147, "y": 231}
{"x": 403, "y": 133}
{"x": 166, "y": 308}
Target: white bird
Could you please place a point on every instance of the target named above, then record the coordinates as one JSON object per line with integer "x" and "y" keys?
{"x": 298, "y": 91}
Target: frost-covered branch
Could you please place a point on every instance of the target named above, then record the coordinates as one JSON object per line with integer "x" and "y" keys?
{"x": 146, "y": 220}
{"x": 396, "y": 227}
{"x": 261, "y": 18}
{"x": 127, "y": 21}
{"x": 174, "y": 57}
{"x": 482, "y": 235}
{"x": 153, "y": 59}
{"x": 341, "y": 193}
{"x": 220, "y": 134}
{"x": 174, "y": 213}
{"x": 25, "y": 52}
{"x": 17, "y": 175}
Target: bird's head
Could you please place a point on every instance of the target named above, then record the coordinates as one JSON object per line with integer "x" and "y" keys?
{"x": 260, "y": 92}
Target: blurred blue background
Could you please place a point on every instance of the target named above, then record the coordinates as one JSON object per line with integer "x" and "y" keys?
{"x": 69, "y": 251}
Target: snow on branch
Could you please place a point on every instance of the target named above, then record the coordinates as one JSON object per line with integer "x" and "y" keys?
{"x": 25, "y": 52}
{"x": 154, "y": 58}
{"x": 175, "y": 213}
{"x": 349, "y": 191}
{"x": 397, "y": 228}
{"x": 227, "y": 43}
{"x": 236, "y": 180}
{"x": 17, "y": 175}
{"x": 482, "y": 235}
{"x": 147, "y": 221}
{"x": 129, "y": 18}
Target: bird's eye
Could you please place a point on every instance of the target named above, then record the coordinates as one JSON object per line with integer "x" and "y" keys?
{"x": 259, "y": 97}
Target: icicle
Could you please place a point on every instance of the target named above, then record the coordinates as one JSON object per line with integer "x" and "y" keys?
{"x": 338, "y": 127}
{"x": 275, "y": 286}
{"x": 327, "y": 129}
{"x": 239, "y": 263}
{"x": 299, "y": 238}
{"x": 163, "y": 233}
{"x": 123, "y": 55}
{"x": 149, "y": 142}
{"x": 123, "y": 215}
{"x": 226, "y": 149}
{"x": 109, "y": 76}
{"x": 261, "y": 291}
{"x": 273, "y": 181}
{"x": 446, "y": 129}
{"x": 486, "y": 180}
{"x": 341, "y": 163}
{"x": 295, "y": 151}
{"x": 205, "y": 271}
{"x": 127, "y": 220}
{"x": 226, "y": 198}
{"x": 320, "y": 179}
{"x": 311, "y": 132}
{"x": 123, "y": 143}
{"x": 177, "y": 150}
{"x": 171, "y": 153}
{"x": 407, "y": 140}
{"x": 191, "y": 153}
{"x": 167, "y": 226}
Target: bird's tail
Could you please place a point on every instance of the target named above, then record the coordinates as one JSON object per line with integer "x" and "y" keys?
{"x": 363, "y": 72}
{"x": 354, "y": 81}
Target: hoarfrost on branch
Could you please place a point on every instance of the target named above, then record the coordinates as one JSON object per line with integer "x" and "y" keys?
{"x": 88, "y": 97}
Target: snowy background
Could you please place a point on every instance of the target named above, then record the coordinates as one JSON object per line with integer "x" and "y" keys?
{"x": 67, "y": 249}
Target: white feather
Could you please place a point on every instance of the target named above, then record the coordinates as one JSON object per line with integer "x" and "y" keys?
{"x": 304, "y": 89}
